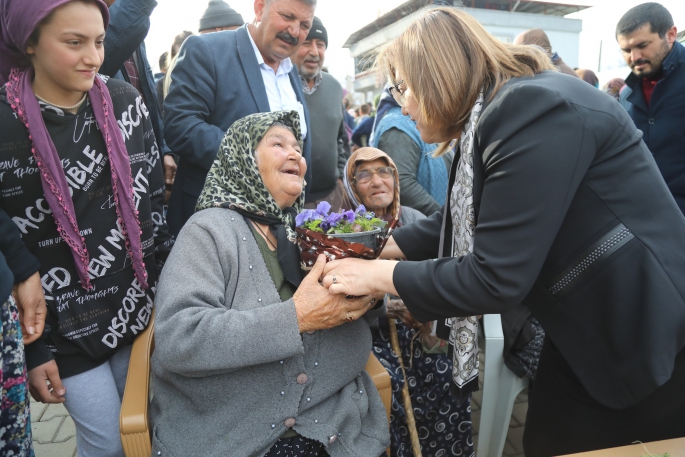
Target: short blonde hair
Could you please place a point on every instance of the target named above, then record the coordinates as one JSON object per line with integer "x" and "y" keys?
{"x": 446, "y": 58}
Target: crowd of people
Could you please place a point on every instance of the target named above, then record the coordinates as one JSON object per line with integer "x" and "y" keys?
{"x": 519, "y": 187}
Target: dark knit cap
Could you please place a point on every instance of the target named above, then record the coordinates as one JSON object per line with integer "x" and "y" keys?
{"x": 219, "y": 14}
{"x": 318, "y": 31}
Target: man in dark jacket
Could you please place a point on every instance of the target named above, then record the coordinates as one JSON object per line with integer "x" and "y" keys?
{"x": 324, "y": 101}
{"x": 126, "y": 59}
{"x": 224, "y": 76}
{"x": 654, "y": 96}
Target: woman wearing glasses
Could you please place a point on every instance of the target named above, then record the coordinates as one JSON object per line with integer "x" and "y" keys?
{"x": 555, "y": 202}
{"x": 422, "y": 176}
{"x": 441, "y": 424}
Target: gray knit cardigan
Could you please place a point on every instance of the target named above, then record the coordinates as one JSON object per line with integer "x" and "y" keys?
{"x": 230, "y": 367}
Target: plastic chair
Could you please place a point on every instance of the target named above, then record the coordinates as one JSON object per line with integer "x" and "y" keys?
{"x": 500, "y": 388}
{"x": 133, "y": 420}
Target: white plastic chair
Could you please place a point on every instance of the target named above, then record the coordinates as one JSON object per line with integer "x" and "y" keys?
{"x": 500, "y": 388}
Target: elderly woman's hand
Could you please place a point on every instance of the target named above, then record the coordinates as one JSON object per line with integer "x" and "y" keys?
{"x": 359, "y": 277}
{"x": 319, "y": 309}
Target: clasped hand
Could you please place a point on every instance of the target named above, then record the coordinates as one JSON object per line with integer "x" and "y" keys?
{"x": 318, "y": 309}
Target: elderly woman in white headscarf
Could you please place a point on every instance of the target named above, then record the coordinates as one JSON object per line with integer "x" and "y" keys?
{"x": 421, "y": 375}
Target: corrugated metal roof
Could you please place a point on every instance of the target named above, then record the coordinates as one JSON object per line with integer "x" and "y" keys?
{"x": 522, "y": 6}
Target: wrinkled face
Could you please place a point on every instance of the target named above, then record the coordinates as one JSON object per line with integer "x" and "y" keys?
{"x": 644, "y": 51}
{"x": 281, "y": 165}
{"x": 283, "y": 26}
{"x": 69, "y": 51}
{"x": 309, "y": 58}
{"x": 377, "y": 194}
{"x": 410, "y": 107}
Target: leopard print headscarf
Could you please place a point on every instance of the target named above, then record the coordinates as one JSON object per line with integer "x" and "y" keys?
{"x": 234, "y": 181}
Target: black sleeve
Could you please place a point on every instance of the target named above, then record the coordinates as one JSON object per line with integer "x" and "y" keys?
{"x": 129, "y": 22}
{"x": 342, "y": 154}
{"x": 37, "y": 353}
{"x": 406, "y": 154}
{"x": 421, "y": 239}
{"x": 535, "y": 151}
{"x": 19, "y": 259}
{"x": 163, "y": 239}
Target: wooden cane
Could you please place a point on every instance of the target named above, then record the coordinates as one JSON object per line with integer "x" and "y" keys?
{"x": 411, "y": 423}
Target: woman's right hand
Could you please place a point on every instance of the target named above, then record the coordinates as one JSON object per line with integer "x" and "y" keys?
{"x": 317, "y": 309}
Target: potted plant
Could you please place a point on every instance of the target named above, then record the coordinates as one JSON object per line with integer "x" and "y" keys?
{"x": 340, "y": 234}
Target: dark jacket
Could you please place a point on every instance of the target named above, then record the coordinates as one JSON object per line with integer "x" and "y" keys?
{"x": 216, "y": 81}
{"x": 129, "y": 22}
{"x": 16, "y": 262}
{"x": 84, "y": 328}
{"x": 663, "y": 121}
{"x": 360, "y": 135}
{"x": 328, "y": 137}
{"x": 574, "y": 221}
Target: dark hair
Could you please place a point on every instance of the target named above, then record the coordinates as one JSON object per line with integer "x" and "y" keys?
{"x": 654, "y": 14}
{"x": 365, "y": 108}
{"x": 164, "y": 60}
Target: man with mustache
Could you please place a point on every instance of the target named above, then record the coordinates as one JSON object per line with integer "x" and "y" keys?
{"x": 224, "y": 76}
{"x": 654, "y": 93}
{"x": 324, "y": 101}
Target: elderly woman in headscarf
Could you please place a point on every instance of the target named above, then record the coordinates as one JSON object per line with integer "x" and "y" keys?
{"x": 251, "y": 357}
{"x": 614, "y": 86}
{"x": 81, "y": 178}
{"x": 424, "y": 415}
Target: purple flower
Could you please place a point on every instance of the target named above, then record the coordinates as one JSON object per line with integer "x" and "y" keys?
{"x": 304, "y": 217}
{"x": 323, "y": 208}
{"x": 333, "y": 219}
{"x": 324, "y": 226}
{"x": 301, "y": 218}
{"x": 361, "y": 209}
{"x": 349, "y": 215}
{"x": 369, "y": 215}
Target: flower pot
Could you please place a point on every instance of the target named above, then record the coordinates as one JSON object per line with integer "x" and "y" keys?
{"x": 368, "y": 239}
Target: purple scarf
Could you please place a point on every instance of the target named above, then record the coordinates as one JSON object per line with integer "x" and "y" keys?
{"x": 18, "y": 20}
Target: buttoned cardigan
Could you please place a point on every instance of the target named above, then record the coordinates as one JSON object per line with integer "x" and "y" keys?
{"x": 231, "y": 371}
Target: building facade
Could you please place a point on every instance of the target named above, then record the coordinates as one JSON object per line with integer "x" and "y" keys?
{"x": 505, "y": 19}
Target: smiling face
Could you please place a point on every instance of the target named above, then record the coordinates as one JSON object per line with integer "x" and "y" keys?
{"x": 68, "y": 53}
{"x": 309, "y": 58}
{"x": 377, "y": 194}
{"x": 281, "y": 165}
{"x": 283, "y": 26}
{"x": 644, "y": 51}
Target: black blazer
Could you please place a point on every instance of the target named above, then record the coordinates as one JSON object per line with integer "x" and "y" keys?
{"x": 574, "y": 220}
{"x": 215, "y": 82}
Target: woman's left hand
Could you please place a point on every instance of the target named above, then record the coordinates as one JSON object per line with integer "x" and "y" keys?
{"x": 359, "y": 277}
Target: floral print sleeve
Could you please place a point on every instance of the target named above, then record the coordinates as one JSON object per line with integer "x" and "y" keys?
{"x": 15, "y": 426}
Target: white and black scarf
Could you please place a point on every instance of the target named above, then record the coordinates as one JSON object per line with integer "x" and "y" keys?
{"x": 463, "y": 336}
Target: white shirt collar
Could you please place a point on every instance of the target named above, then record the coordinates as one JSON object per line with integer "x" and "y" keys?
{"x": 283, "y": 68}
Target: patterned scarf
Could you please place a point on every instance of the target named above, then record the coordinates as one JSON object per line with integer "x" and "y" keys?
{"x": 464, "y": 330}
{"x": 234, "y": 182}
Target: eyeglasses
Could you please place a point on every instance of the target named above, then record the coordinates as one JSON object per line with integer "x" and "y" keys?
{"x": 366, "y": 175}
{"x": 397, "y": 93}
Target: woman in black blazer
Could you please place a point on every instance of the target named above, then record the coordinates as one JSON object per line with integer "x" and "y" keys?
{"x": 557, "y": 204}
